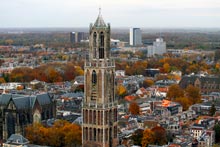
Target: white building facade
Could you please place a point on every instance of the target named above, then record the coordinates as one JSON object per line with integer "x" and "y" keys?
{"x": 158, "y": 48}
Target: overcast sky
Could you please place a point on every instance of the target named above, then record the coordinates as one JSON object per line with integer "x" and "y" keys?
{"x": 120, "y": 13}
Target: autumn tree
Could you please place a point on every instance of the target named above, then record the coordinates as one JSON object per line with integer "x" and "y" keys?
{"x": 148, "y": 83}
{"x": 134, "y": 108}
{"x": 121, "y": 90}
{"x": 148, "y": 138}
{"x": 174, "y": 92}
{"x": 184, "y": 102}
{"x": 136, "y": 68}
{"x": 137, "y": 136}
{"x": 159, "y": 135}
{"x": 33, "y": 134}
{"x": 193, "y": 93}
{"x": 2, "y": 80}
{"x": 166, "y": 67}
{"x": 9, "y": 41}
{"x": 62, "y": 133}
{"x": 53, "y": 75}
{"x": 22, "y": 74}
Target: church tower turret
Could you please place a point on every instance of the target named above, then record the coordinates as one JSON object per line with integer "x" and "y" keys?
{"x": 99, "y": 104}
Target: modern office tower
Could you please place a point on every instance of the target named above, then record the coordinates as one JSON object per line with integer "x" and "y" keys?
{"x": 159, "y": 46}
{"x": 76, "y": 37}
{"x": 99, "y": 108}
{"x": 135, "y": 36}
{"x": 79, "y": 36}
{"x": 72, "y": 37}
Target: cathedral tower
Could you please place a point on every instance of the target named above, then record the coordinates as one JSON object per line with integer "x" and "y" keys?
{"x": 99, "y": 104}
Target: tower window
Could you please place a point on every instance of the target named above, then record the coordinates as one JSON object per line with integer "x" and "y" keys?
{"x": 101, "y": 48}
{"x": 94, "y": 44}
{"x": 94, "y": 77}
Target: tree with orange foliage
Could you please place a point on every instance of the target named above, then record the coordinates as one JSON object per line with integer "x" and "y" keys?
{"x": 193, "y": 93}
{"x": 148, "y": 138}
{"x": 121, "y": 90}
{"x": 2, "y": 80}
{"x": 137, "y": 68}
{"x": 62, "y": 133}
{"x": 79, "y": 71}
{"x": 53, "y": 75}
{"x": 159, "y": 135}
{"x": 33, "y": 134}
{"x": 185, "y": 102}
{"x": 148, "y": 83}
{"x": 174, "y": 92}
{"x": 22, "y": 74}
{"x": 134, "y": 108}
{"x": 166, "y": 67}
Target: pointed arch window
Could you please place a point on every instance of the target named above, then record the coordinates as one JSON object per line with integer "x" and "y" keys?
{"x": 94, "y": 44}
{"x": 94, "y": 77}
{"x": 101, "y": 48}
{"x": 94, "y": 85}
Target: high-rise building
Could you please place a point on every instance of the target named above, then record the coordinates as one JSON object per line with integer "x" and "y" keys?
{"x": 76, "y": 37}
{"x": 158, "y": 48}
{"x": 135, "y": 36}
{"x": 72, "y": 37}
{"x": 99, "y": 110}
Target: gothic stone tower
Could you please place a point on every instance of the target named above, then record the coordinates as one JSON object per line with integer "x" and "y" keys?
{"x": 99, "y": 104}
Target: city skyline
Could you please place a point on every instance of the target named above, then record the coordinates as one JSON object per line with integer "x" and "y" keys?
{"x": 121, "y": 13}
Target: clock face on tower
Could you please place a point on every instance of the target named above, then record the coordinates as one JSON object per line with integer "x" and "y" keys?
{"x": 99, "y": 104}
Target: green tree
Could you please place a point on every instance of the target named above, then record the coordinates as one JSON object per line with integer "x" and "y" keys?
{"x": 212, "y": 110}
{"x": 217, "y": 133}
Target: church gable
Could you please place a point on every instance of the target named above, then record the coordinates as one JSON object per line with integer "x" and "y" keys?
{"x": 11, "y": 105}
{"x": 36, "y": 107}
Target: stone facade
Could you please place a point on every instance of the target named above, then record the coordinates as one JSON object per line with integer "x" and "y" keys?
{"x": 18, "y": 111}
{"x": 206, "y": 84}
{"x": 99, "y": 105}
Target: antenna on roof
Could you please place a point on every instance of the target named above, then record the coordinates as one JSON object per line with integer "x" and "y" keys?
{"x": 100, "y": 10}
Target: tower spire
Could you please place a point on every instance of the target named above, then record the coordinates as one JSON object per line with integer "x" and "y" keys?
{"x": 99, "y": 21}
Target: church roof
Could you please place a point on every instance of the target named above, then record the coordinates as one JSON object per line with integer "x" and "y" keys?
{"x": 99, "y": 21}
{"x": 5, "y": 98}
{"x": 17, "y": 139}
{"x": 24, "y": 101}
{"x": 44, "y": 98}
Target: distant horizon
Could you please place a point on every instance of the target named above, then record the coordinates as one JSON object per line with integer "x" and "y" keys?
{"x": 120, "y": 13}
{"x": 86, "y": 29}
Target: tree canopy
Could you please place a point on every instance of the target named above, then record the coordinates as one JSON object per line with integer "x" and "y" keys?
{"x": 62, "y": 133}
